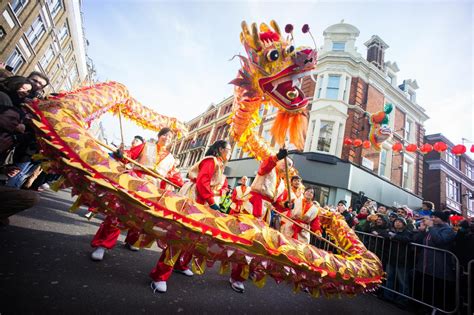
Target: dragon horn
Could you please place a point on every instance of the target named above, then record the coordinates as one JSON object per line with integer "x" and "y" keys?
{"x": 264, "y": 28}
{"x": 245, "y": 29}
{"x": 256, "y": 40}
{"x": 275, "y": 27}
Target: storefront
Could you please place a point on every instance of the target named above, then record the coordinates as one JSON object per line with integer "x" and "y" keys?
{"x": 334, "y": 180}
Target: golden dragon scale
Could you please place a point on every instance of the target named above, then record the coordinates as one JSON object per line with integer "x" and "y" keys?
{"x": 102, "y": 183}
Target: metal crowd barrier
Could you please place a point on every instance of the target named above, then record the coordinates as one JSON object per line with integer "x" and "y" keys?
{"x": 426, "y": 275}
{"x": 468, "y": 300}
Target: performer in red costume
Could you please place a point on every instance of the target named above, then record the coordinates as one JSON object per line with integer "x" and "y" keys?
{"x": 267, "y": 191}
{"x": 239, "y": 195}
{"x": 297, "y": 188}
{"x": 305, "y": 212}
{"x": 154, "y": 156}
{"x": 207, "y": 180}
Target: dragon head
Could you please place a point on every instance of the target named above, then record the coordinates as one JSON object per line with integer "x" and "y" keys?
{"x": 274, "y": 68}
{"x": 272, "y": 73}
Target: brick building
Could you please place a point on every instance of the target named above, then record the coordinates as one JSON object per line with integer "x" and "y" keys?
{"x": 45, "y": 36}
{"x": 347, "y": 84}
{"x": 449, "y": 179}
{"x": 203, "y": 131}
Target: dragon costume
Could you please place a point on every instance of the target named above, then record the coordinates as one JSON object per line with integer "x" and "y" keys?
{"x": 103, "y": 184}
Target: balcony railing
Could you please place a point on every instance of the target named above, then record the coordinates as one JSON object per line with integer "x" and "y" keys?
{"x": 197, "y": 144}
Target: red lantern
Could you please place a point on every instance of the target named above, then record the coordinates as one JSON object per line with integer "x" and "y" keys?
{"x": 366, "y": 144}
{"x": 397, "y": 147}
{"x": 411, "y": 148}
{"x": 426, "y": 148}
{"x": 357, "y": 142}
{"x": 459, "y": 149}
{"x": 440, "y": 147}
{"x": 347, "y": 141}
{"x": 472, "y": 148}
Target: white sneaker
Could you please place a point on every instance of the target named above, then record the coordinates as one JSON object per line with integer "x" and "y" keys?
{"x": 132, "y": 248}
{"x": 186, "y": 272}
{"x": 237, "y": 286}
{"x": 45, "y": 186}
{"x": 98, "y": 254}
{"x": 158, "y": 286}
{"x": 89, "y": 215}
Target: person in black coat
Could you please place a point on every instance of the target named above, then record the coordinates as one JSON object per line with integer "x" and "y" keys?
{"x": 435, "y": 269}
{"x": 399, "y": 264}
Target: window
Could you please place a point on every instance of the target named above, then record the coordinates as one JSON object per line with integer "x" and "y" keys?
{"x": 18, "y": 5}
{"x": 452, "y": 159}
{"x": 67, "y": 86}
{"x": 321, "y": 194}
{"x": 346, "y": 87}
{"x": 408, "y": 175}
{"x": 325, "y": 135}
{"x": 267, "y": 135}
{"x": 311, "y": 134}
{"x": 409, "y": 130}
{"x": 73, "y": 75}
{"x": 68, "y": 50}
{"x": 56, "y": 46}
{"x": 16, "y": 60}
{"x": 63, "y": 33}
{"x": 320, "y": 82}
{"x": 57, "y": 68}
{"x": 452, "y": 189}
{"x": 383, "y": 162}
{"x": 54, "y": 6}
{"x": 469, "y": 172}
{"x": 36, "y": 31}
{"x": 261, "y": 110}
{"x": 47, "y": 58}
{"x": 236, "y": 153}
{"x": 470, "y": 203}
{"x": 338, "y": 46}
{"x": 25, "y": 48}
{"x": 9, "y": 20}
{"x": 332, "y": 91}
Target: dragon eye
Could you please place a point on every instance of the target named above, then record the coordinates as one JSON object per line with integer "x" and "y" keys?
{"x": 289, "y": 49}
{"x": 273, "y": 55}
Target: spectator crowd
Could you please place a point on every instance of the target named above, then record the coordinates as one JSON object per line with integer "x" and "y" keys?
{"x": 20, "y": 175}
{"x": 418, "y": 248}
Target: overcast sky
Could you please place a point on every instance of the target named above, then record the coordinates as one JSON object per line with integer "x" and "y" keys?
{"x": 175, "y": 56}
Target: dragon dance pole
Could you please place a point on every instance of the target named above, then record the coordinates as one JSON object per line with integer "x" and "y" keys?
{"x": 146, "y": 169}
{"x": 287, "y": 177}
{"x": 311, "y": 232}
{"x": 120, "y": 121}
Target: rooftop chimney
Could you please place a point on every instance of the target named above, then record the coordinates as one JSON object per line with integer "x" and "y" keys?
{"x": 376, "y": 51}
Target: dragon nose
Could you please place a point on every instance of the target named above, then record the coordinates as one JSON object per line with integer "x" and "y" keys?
{"x": 305, "y": 57}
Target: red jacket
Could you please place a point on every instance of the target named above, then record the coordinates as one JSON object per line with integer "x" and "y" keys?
{"x": 204, "y": 192}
